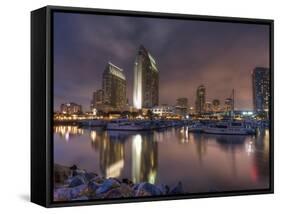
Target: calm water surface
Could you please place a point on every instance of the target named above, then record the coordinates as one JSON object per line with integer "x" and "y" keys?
{"x": 202, "y": 162}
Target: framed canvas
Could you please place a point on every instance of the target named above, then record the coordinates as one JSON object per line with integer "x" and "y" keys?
{"x": 133, "y": 106}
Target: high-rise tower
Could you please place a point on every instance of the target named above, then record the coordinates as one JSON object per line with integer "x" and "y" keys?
{"x": 261, "y": 89}
{"x": 114, "y": 87}
{"x": 146, "y": 80}
{"x": 200, "y": 99}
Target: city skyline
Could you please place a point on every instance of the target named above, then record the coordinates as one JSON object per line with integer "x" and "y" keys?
{"x": 221, "y": 56}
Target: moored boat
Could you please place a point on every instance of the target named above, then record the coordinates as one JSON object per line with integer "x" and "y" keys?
{"x": 230, "y": 128}
{"x": 92, "y": 123}
{"x": 195, "y": 127}
{"x": 125, "y": 124}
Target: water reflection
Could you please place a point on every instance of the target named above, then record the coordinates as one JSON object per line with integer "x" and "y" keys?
{"x": 168, "y": 155}
{"x": 183, "y": 135}
{"x": 144, "y": 158}
{"x": 68, "y": 131}
{"x": 111, "y": 152}
{"x": 261, "y": 166}
{"x": 200, "y": 145}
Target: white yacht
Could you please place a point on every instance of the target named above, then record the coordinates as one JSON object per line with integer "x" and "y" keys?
{"x": 92, "y": 123}
{"x": 125, "y": 124}
{"x": 229, "y": 127}
{"x": 196, "y": 127}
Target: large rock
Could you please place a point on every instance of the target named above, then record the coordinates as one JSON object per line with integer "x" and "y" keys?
{"x": 67, "y": 194}
{"x": 147, "y": 189}
{"x": 163, "y": 188}
{"x": 90, "y": 175}
{"x": 79, "y": 172}
{"x": 107, "y": 185}
{"x": 127, "y": 181}
{"x": 93, "y": 186}
{"x": 61, "y": 174}
{"x": 124, "y": 191}
{"x": 98, "y": 179}
{"x": 77, "y": 180}
{"x": 113, "y": 193}
{"x": 178, "y": 189}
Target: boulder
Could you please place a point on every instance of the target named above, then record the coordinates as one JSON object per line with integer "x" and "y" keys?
{"x": 127, "y": 181}
{"x": 67, "y": 194}
{"x": 113, "y": 193}
{"x": 93, "y": 186}
{"x": 77, "y": 180}
{"x": 97, "y": 179}
{"x": 147, "y": 189}
{"x": 61, "y": 173}
{"x": 107, "y": 185}
{"x": 80, "y": 171}
{"x": 126, "y": 190}
{"x": 90, "y": 175}
{"x": 73, "y": 167}
{"x": 178, "y": 189}
{"x": 163, "y": 188}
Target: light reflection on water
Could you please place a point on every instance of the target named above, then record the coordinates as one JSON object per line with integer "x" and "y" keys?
{"x": 201, "y": 162}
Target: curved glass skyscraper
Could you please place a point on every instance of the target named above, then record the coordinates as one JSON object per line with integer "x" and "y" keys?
{"x": 146, "y": 80}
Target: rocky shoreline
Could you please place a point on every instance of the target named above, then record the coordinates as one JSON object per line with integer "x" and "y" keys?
{"x": 72, "y": 183}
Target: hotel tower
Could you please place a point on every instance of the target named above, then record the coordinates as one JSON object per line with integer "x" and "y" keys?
{"x": 114, "y": 87}
{"x": 146, "y": 80}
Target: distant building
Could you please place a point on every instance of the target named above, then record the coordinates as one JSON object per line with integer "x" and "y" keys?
{"x": 183, "y": 102}
{"x": 114, "y": 87}
{"x": 70, "y": 108}
{"x": 261, "y": 89}
{"x": 97, "y": 100}
{"x": 146, "y": 80}
{"x": 163, "y": 110}
{"x": 228, "y": 104}
{"x": 200, "y": 99}
{"x": 191, "y": 110}
{"x": 181, "y": 107}
{"x": 208, "y": 107}
{"x": 216, "y": 105}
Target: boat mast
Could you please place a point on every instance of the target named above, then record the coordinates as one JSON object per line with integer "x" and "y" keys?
{"x": 232, "y": 104}
{"x": 233, "y": 99}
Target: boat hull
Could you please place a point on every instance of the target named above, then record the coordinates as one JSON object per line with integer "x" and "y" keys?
{"x": 228, "y": 131}
{"x": 125, "y": 128}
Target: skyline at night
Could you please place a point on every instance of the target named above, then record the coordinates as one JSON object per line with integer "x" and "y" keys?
{"x": 220, "y": 56}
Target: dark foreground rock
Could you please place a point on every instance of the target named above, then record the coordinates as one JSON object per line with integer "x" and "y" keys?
{"x": 72, "y": 183}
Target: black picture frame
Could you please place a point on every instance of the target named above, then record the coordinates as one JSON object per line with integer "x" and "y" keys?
{"x": 42, "y": 103}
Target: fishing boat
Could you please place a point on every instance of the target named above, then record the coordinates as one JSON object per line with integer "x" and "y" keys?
{"x": 230, "y": 128}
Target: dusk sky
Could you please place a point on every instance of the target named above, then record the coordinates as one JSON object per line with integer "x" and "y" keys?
{"x": 188, "y": 53}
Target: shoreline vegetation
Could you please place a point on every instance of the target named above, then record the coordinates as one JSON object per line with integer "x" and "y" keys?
{"x": 72, "y": 184}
